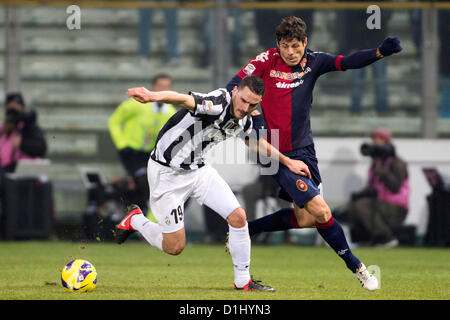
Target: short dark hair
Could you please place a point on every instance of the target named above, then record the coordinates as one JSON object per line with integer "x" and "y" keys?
{"x": 160, "y": 76}
{"x": 291, "y": 28}
{"x": 254, "y": 83}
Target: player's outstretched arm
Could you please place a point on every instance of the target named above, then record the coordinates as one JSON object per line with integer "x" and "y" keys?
{"x": 365, "y": 57}
{"x": 144, "y": 95}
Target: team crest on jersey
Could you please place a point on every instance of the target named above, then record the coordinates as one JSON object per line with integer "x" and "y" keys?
{"x": 301, "y": 185}
{"x": 208, "y": 104}
{"x": 303, "y": 63}
{"x": 248, "y": 70}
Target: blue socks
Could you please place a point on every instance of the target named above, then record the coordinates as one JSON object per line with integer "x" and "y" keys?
{"x": 333, "y": 234}
{"x": 280, "y": 220}
{"x": 330, "y": 231}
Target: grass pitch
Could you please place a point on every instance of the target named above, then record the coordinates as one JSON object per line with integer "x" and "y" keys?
{"x": 134, "y": 270}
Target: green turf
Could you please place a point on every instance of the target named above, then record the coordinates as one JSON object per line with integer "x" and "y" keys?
{"x": 134, "y": 270}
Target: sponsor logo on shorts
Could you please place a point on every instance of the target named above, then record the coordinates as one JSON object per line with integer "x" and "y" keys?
{"x": 301, "y": 185}
{"x": 168, "y": 221}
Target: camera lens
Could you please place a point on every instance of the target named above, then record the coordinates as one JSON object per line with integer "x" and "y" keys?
{"x": 365, "y": 149}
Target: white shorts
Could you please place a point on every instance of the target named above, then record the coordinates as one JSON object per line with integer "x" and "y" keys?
{"x": 170, "y": 189}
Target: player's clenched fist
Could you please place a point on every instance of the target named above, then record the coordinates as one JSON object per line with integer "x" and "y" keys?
{"x": 389, "y": 46}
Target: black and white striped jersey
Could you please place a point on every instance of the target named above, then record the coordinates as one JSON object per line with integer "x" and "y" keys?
{"x": 189, "y": 134}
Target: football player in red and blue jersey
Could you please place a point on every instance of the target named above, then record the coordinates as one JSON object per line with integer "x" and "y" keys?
{"x": 290, "y": 72}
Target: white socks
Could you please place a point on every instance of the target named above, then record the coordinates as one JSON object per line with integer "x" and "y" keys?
{"x": 240, "y": 245}
{"x": 149, "y": 230}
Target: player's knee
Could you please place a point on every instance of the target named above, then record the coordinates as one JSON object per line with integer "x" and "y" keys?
{"x": 237, "y": 219}
{"x": 323, "y": 214}
{"x": 319, "y": 209}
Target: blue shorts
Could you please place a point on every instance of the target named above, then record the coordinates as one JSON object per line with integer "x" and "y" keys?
{"x": 295, "y": 187}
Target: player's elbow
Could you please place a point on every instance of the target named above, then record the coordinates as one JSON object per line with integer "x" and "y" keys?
{"x": 173, "y": 245}
{"x": 174, "y": 250}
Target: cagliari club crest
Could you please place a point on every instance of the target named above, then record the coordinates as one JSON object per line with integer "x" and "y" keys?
{"x": 301, "y": 185}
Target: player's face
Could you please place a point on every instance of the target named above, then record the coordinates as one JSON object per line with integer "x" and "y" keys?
{"x": 291, "y": 51}
{"x": 244, "y": 102}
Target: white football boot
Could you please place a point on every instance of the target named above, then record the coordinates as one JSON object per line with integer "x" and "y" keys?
{"x": 368, "y": 280}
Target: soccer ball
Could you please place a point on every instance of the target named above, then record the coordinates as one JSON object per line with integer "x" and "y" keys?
{"x": 79, "y": 276}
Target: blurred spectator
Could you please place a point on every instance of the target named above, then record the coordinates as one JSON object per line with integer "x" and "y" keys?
{"x": 444, "y": 63}
{"x": 356, "y": 36}
{"x": 134, "y": 128}
{"x": 20, "y": 135}
{"x": 144, "y": 32}
{"x": 21, "y": 138}
{"x": 383, "y": 203}
{"x": 267, "y": 20}
{"x": 209, "y": 35}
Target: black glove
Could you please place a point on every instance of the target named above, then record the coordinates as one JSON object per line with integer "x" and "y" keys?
{"x": 389, "y": 46}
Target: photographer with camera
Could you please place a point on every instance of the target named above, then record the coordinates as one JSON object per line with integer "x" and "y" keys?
{"x": 383, "y": 203}
{"x": 20, "y": 135}
{"x": 21, "y": 138}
